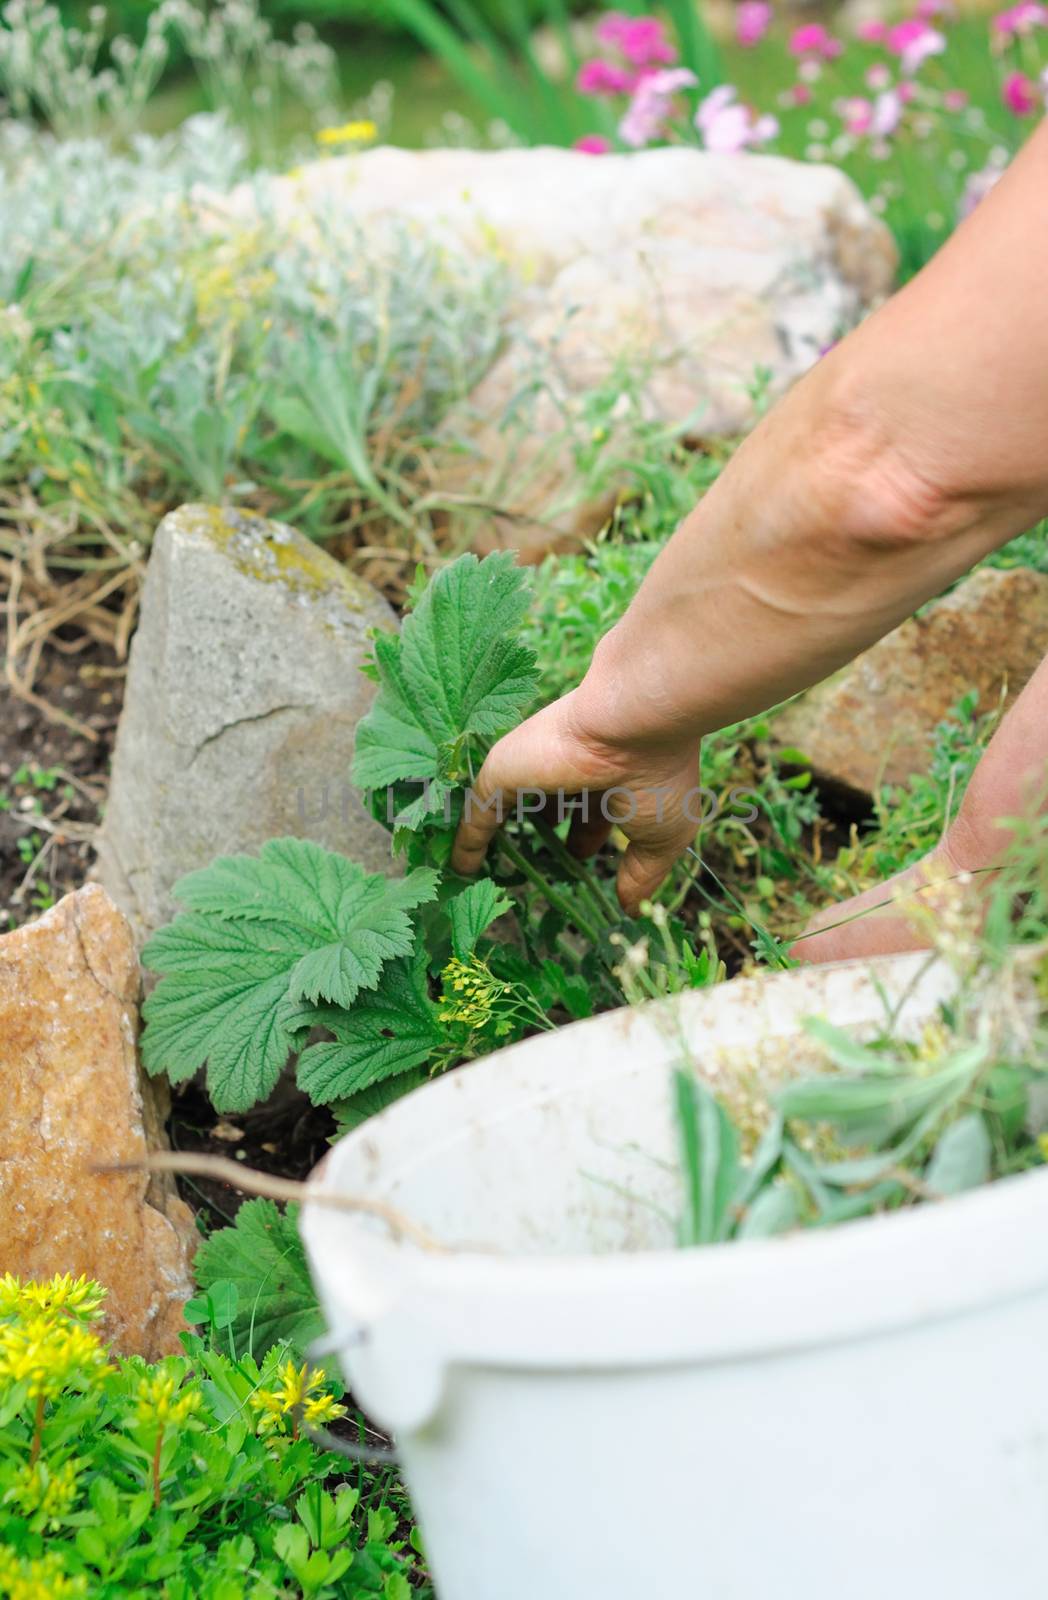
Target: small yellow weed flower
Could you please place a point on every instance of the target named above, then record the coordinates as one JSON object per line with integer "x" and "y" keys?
{"x": 470, "y": 992}
{"x": 1042, "y": 1145}
{"x": 295, "y": 1389}
{"x": 361, "y": 132}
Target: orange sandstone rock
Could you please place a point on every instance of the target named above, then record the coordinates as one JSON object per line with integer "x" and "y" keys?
{"x": 73, "y": 1095}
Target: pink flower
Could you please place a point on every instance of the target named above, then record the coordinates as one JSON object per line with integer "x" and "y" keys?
{"x": 1020, "y": 19}
{"x": 955, "y": 99}
{"x": 593, "y": 144}
{"x": 752, "y": 21}
{"x": 1019, "y": 94}
{"x": 887, "y": 112}
{"x": 872, "y": 32}
{"x": 857, "y": 114}
{"x": 813, "y": 40}
{"x": 906, "y": 92}
{"x": 927, "y": 9}
{"x": 598, "y": 78}
{"x": 649, "y": 110}
{"x": 913, "y": 41}
{"x": 728, "y": 127}
{"x": 642, "y": 40}
{"x": 801, "y": 95}
{"x": 878, "y": 76}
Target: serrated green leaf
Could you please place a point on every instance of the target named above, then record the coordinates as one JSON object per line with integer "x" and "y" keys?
{"x": 473, "y": 911}
{"x": 455, "y": 674}
{"x": 263, "y": 934}
{"x": 388, "y": 1032}
{"x": 263, "y": 1256}
{"x": 351, "y": 1113}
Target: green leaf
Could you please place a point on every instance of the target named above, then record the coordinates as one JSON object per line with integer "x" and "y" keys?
{"x": 473, "y": 911}
{"x": 263, "y": 1257}
{"x": 351, "y": 1113}
{"x": 773, "y": 1211}
{"x": 387, "y": 1032}
{"x": 451, "y": 682}
{"x": 962, "y": 1157}
{"x": 262, "y": 934}
{"x": 710, "y": 1149}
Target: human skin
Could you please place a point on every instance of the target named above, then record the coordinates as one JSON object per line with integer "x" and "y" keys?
{"x": 917, "y": 446}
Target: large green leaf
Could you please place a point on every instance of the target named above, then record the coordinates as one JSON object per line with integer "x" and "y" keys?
{"x": 472, "y": 912}
{"x": 263, "y": 1256}
{"x": 451, "y": 682}
{"x": 388, "y": 1032}
{"x": 262, "y": 935}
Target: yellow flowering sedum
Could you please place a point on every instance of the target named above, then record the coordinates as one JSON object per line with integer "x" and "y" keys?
{"x": 42, "y": 1579}
{"x": 296, "y": 1390}
{"x": 75, "y": 1297}
{"x": 41, "y": 1488}
{"x": 158, "y": 1399}
{"x": 359, "y": 132}
{"x": 49, "y": 1355}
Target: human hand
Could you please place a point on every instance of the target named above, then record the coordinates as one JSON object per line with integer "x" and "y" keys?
{"x": 618, "y": 782}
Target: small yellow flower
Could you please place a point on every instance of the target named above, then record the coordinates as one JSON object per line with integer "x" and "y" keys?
{"x": 321, "y": 1410}
{"x": 157, "y": 1399}
{"x": 42, "y": 1579}
{"x": 361, "y": 132}
{"x": 48, "y": 1355}
{"x": 1042, "y": 1145}
{"x": 39, "y": 1487}
{"x": 76, "y": 1297}
{"x": 295, "y": 1390}
{"x": 470, "y": 992}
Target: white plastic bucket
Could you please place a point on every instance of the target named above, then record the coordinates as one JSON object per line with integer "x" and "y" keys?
{"x": 585, "y": 1413}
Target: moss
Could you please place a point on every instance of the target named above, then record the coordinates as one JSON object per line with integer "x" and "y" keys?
{"x": 271, "y": 552}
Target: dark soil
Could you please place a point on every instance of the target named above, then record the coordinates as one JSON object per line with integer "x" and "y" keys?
{"x": 53, "y": 778}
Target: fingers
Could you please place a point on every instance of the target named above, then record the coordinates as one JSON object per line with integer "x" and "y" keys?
{"x": 645, "y": 866}
{"x": 589, "y": 830}
{"x": 485, "y": 807}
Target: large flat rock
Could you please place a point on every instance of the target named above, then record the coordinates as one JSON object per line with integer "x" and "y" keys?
{"x": 73, "y": 1097}
{"x": 690, "y": 281}
{"x": 244, "y": 691}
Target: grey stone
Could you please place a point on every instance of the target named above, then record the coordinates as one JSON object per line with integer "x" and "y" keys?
{"x": 244, "y": 693}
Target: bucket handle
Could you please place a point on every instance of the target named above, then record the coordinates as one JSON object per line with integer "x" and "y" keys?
{"x": 370, "y": 1454}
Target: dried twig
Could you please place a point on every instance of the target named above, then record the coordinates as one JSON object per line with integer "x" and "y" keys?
{"x": 198, "y": 1164}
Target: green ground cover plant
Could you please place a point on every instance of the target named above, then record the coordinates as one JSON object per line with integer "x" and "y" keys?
{"x": 196, "y": 1476}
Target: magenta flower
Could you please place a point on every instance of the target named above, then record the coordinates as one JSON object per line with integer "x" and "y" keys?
{"x": 801, "y": 95}
{"x": 913, "y": 41}
{"x": 814, "y": 41}
{"x": 1019, "y": 94}
{"x": 752, "y": 21}
{"x": 927, "y": 9}
{"x": 651, "y": 106}
{"x": 728, "y": 127}
{"x": 642, "y": 40}
{"x": 601, "y": 78}
{"x": 1021, "y": 19}
{"x": 592, "y": 144}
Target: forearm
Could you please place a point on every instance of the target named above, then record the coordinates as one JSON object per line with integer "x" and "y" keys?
{"x": 908, "y": 453}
